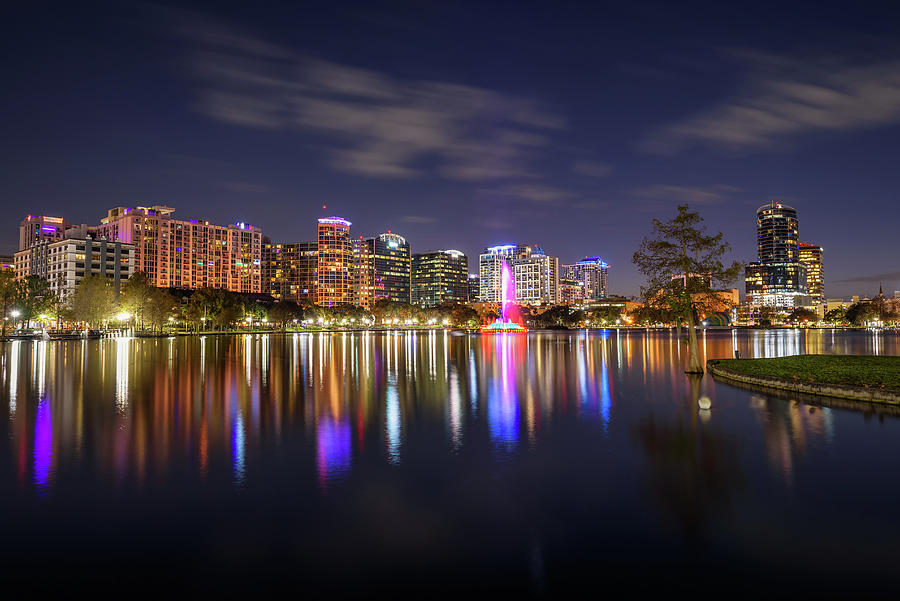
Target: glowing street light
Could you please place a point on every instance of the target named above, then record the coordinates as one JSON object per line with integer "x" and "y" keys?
{"x": 123, "y": 316}
{"x": 15, "y": 313}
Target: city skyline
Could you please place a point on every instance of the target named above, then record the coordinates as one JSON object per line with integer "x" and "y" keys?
{"x": 565, "y": 145}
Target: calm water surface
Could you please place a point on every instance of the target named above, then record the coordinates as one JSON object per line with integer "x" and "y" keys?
{"x": 423, "y": 462}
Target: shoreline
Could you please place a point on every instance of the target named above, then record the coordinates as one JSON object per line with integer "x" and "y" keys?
{"x": 820, "y": 389}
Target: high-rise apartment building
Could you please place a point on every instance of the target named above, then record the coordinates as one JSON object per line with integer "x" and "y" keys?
{"x": 474, "y": 288}
{"x": 811, "y": 258}
{"x": 334, "y": 274}
{"x": 381, "y": 270}
{"x": 490, "y": 265}
{"x": 289, "y": 271}
{"x": 592, "y": 275}
{"x": 64, "y": 263}
{"x": 440, "y": 276}
{"x": 40, "y": 228}
{"x": 778, "y": 278}
{"x": 188, "y": 254}
{"x": 536, "y": 277}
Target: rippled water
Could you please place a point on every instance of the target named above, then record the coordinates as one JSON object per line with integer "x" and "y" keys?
{"x": 527, "y": 463}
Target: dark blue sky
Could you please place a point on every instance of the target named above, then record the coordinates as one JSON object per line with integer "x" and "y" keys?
{"x": 462, "y": 125}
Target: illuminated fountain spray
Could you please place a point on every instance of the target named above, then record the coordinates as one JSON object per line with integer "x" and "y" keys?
{"x": 506, "y": 322}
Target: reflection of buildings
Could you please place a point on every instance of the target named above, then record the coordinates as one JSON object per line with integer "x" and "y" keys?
{"x": 788, "y": 427}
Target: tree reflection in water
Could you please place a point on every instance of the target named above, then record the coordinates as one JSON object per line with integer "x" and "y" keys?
{"x": 694, "y": 470}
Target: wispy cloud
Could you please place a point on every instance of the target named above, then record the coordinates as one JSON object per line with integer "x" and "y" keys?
{"x": 592, "y": 168}
{"x": 377, "y": 125}
{"x": 245, "y": 187}
{"x": 535, "y": 193}
{"x": 888, "y": 278}
{"x": 417, "y": 219}
{"x": 686, "y": 194}
{"x": 787, "y": 97}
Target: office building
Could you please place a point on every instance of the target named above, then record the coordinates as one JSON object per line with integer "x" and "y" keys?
{"x": 64, "y": 263}
{"x": 474, "y": 288}
{"x": 440, "y": 276}
{"x": 490, "y": 266}
{"x": 778, "y": 278}
{"x": 188, "y": 253}
{"x": 536, "y": 277}
{"x": 41, "y": 228}
{"x": 570, "y": 292}
{"x": 811, "y": 257}
{"x": 592, "y": 274}
{"x": 334, "y": 276}
{"x": 381, "y": 270}
{"x": 289, "y": 271}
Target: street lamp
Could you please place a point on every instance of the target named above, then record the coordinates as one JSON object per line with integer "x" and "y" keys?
{"x": 15, "y": 313}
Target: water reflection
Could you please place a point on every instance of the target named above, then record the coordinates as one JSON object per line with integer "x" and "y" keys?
{"x": 134, "y": 409}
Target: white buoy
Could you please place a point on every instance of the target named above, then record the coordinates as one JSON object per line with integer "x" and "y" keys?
{"x": 704, "y": 402}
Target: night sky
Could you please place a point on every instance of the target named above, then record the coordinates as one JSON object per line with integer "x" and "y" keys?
{"x": 463, "y": 125}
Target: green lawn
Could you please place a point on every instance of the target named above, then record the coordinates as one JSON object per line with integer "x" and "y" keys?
{"x": 850, "y": 370}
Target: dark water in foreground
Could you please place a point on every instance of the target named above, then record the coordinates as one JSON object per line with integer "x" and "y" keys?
{"x": 424, "y": 463}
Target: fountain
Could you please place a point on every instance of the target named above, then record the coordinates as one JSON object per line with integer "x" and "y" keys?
{"x": 505, "y": 323}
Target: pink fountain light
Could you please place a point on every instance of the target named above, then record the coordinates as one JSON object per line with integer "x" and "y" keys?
{"x": 506, "y": 323}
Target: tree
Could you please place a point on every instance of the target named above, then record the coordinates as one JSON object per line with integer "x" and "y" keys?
{"x": 283, "y": 312}
{"x": 464, "y": 316}
{"x": 137, "y": 292}
{"x": 682, "y": 263}
{"x": 159, "y": 307}
{"x": 94, "y": 301}
{"x": 836, "y": 316}
{"x": 860, "y": 314}
{"x": 803, "y": 315}
{"x": 9, "y": 294}
{"x": 35, "y": 297}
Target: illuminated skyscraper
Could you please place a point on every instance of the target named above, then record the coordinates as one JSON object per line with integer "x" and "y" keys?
{"x": 592, "y": 275}
{"x": 39, "y": 228}
{"x": 490, "y": 264}
{"x": 192, "y": 253}
{"x": 811, "y": 257}
{"x": 536, "y": 277}
{"x": 778, "y": 278}
{"x": 439, "y": 276}
{"x": 289, "y": 271}
{"x": 381, "y": 270}
{"x": 334, "y": 277}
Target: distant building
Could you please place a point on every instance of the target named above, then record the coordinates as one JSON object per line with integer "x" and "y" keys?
{"x": 569, "y": 292}
{"x": 289, "y": 271}
{"x": 473, "y": 289}
{"x": 381, "y": 270}
{"x": 64, "y": 263}
{"x": 7, "y": 262}
{"x": 192, "y": 253}
{"x": 490, "y": 265}
{"x": 592, "y": 274}
{"x": 40, "y": 228}
{"x": 536, "y": 277}
{"x": 334, "y": 277}
{"x": 811, "y": 258}
{"x": 778, "y": 278}
{"x": 440, "y": 276}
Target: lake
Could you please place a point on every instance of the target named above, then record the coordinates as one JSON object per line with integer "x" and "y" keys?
{"x": 425, "y": 463}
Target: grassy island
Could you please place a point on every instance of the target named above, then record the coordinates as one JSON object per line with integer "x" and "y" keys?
{"x": 862, "y": 377}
